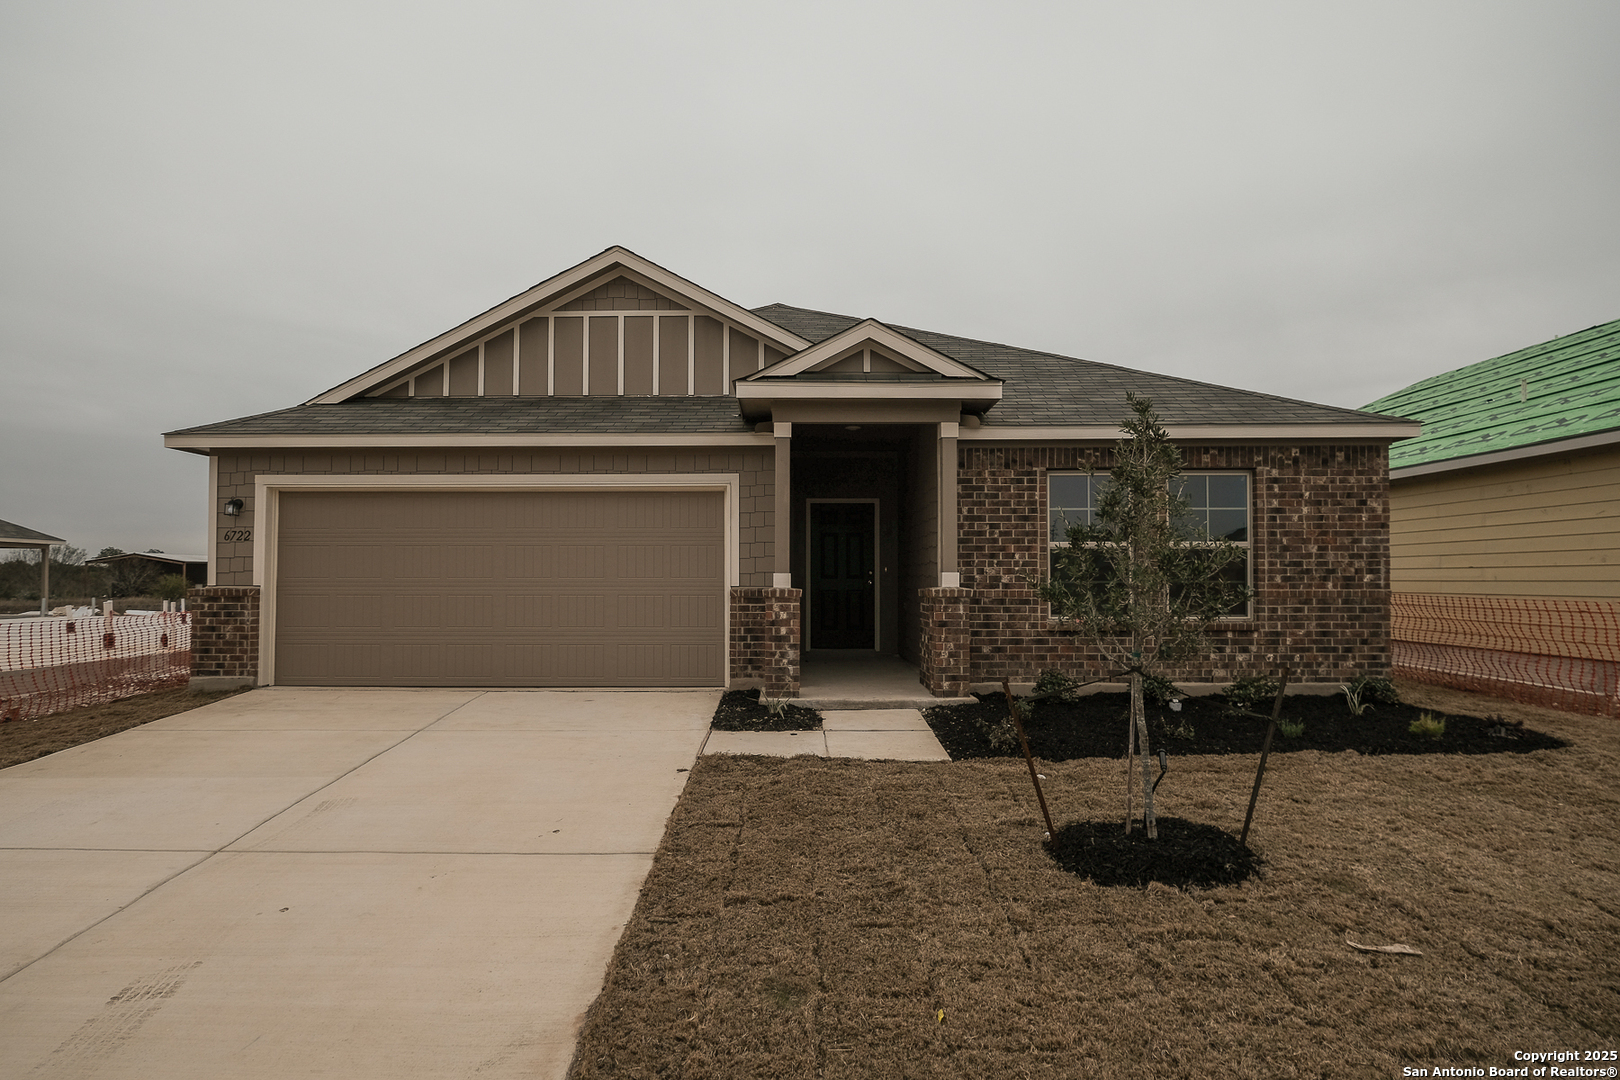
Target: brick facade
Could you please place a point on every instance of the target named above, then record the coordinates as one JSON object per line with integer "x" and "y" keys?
{"x": 1319, "y": 559}
{"x": 224, "y": 631}
{"x": 765, "y": 638}
{"x": 946, "y": 663}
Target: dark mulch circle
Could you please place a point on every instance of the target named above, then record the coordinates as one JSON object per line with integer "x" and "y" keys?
{"x": 1095, "y": 726}
{"x": 741, "y": 710}
{"x": 1185, "y": 854}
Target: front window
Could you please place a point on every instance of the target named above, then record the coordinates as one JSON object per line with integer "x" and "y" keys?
{"x": 1217, "y": 508}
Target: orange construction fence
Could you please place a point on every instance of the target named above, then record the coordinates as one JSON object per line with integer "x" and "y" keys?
{"x": 48, "y": 665}
{"x": 1560, "y": 653}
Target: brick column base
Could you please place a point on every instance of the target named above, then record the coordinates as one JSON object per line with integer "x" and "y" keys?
{"x": 947, "y": 636}
{"x": 765, "y": 641}
{"x": 224, "y": 636}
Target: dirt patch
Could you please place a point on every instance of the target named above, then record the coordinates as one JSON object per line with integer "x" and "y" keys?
{"x": 1095, "y": 726}
{"x": 837, "y": 918}
{"x": 742, "y": 710}
{"x": 25, "y": 740}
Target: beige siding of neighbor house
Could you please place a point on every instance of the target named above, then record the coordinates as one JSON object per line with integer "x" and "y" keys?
{"x": 237, "y": 473}
{"x": 1549, "y": 527}
{"x": 594, "y": 345}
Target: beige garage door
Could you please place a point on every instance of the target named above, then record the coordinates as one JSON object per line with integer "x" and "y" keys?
{"x": 500, "y": 589}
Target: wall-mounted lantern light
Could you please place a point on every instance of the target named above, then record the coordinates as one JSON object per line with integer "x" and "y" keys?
{"x": 233, "y": 507}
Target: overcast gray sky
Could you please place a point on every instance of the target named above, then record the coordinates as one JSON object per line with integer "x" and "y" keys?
{"x": 214, "y": 209}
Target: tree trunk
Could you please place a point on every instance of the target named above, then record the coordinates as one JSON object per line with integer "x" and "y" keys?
{"x": 1139, "y": 722}
{"x": 1130, "y": 758}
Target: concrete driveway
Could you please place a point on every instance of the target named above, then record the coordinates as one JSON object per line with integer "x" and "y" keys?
{"x": 345, "y": 883}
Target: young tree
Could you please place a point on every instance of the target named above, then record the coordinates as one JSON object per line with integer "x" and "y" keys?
{"x": 1139, "y": 580}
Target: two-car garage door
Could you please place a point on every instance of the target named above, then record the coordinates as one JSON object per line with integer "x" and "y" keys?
{"x": 500, "y": 588}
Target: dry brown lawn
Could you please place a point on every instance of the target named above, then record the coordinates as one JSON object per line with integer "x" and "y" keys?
{"x": 25, "y": 740}
{"x": 810, "y": 918}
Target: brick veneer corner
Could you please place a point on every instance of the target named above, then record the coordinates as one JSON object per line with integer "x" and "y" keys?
{"x": 224, "y": 631}
{"x": 765, "y": 640}
{"x": 947, "y": 638}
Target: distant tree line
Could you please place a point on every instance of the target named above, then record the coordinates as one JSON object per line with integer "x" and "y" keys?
{"x": 72, "y": 578}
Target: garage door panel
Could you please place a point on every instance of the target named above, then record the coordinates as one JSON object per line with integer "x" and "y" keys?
{"x": 501, "y": 589}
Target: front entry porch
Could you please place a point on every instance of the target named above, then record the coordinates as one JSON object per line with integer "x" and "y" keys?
{"x": 863, "y": 680}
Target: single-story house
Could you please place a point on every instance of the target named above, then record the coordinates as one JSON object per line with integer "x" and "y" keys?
{"x": 620, "y": 478}
{"x": 1505, "y": 525}
{"x": 159, "y": 564}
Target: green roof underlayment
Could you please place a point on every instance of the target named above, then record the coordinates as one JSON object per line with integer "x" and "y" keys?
{"x": 1560, "y": 389}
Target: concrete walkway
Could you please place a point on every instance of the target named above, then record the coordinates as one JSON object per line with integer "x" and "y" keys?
{"x": 341, "y": 883}
{"x": 881, "y": 734}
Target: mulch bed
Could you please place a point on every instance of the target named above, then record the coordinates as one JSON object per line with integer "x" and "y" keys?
{"x": 1185, "y": 853}
{"x": 741, "y": 710}
{"x": 1095, "y": 726}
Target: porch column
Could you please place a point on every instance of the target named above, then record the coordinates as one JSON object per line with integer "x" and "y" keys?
{"x": 782, "y": 565}
{"x": 950, "y": 576}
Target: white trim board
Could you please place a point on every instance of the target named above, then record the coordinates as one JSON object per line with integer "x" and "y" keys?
{"x": 202, "y": 444}
{"x": 1111, "y": 433}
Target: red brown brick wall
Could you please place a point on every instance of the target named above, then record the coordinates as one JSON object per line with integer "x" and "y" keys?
{"x": 946, "y": 664}
{"x": 1319, "y": 555}
{"x": 224, "y": 631}
{"x": 765, "y": 640}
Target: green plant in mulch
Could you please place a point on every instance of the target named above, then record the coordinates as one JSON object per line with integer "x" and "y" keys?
{"x": 1251, "y": 692}
{"x": 1428, "y": 726}
{"x": 1363, "y": 691}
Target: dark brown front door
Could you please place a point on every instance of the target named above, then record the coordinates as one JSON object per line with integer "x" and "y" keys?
{"x": 843, "y": 590}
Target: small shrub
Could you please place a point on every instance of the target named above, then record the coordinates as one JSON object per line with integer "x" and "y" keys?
{"x": 1183, "y": 730}
{"x": 1000, "y": 734}
{"x": 1252, "y": 691}
{"x": 1160, "y": 690}
{"x": 1054, "y": 684}
{"x": 1291, "y": 729}
{"x": 774, "y": 706}
{"x": 1428, "y": 726}
{"x": 1375, "y": 689}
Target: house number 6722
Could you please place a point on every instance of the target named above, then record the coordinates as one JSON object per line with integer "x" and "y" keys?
{"x": 236, "y": 536}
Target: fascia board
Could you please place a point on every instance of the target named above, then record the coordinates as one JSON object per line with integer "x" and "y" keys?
{"x": 204, "y": 444}
{"x": 973, "y": 390}
{"x": 568, "y": 279}
{"x": 1198, "y": 432}
{"x": 878, "y": 334}
{"x": 1503, "y": 457}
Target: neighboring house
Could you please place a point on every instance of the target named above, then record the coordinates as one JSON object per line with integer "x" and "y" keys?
{"x": 20, "y": 536}
{"x": 159, "y": 564}
{"x": 619, "y": 478}
{"x": 1505, "y": 537}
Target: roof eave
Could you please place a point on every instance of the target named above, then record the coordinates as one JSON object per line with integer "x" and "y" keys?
{"x": 1272, "y": 432}
{"x": 1503, "y": 457}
